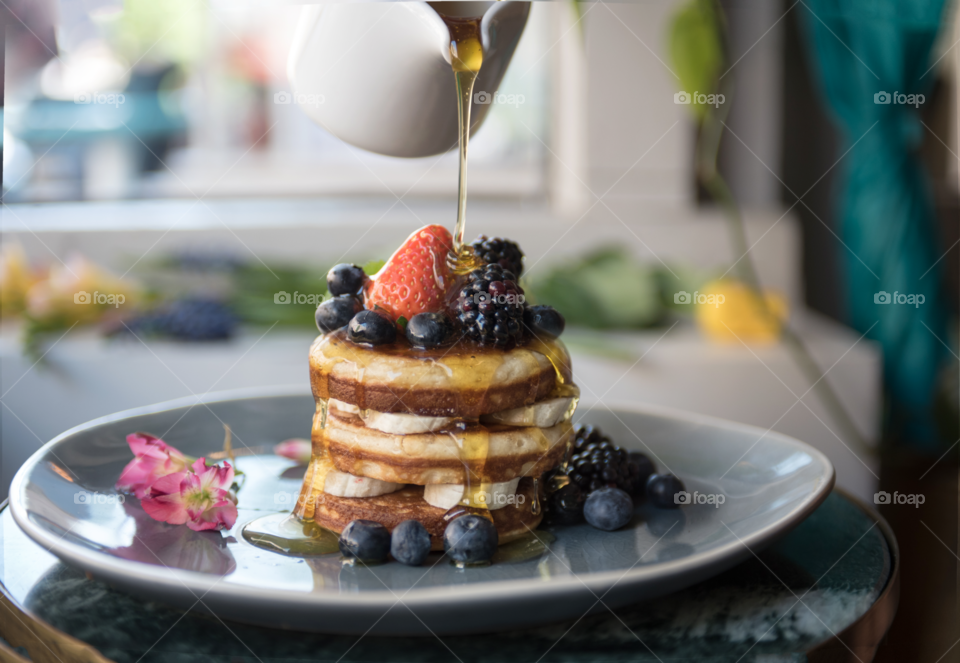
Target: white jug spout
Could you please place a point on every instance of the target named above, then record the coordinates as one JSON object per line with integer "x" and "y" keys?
{"x": 378, "y": 75}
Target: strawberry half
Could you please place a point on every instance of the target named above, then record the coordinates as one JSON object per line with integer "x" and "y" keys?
{"x": 415, "y": 278}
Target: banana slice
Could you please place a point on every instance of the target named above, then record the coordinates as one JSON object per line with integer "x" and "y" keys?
{"x": 543, "y": 414}
{"x": 392, "y": 422}
{"x": 343, "y": 406}
{"x": 403, "y": 424}
{"x": 342, "y": 484}
{"x": 492, "y": 495}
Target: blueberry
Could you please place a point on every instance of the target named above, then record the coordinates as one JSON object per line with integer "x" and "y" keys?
{"x": 662, "y": 489}
{"x": 644, "y": 468}
{"x": 336, "y": 312}
{"x": 345, "y": 279}
{"x": 428, "y": 330}
{"x": 190, "y": 319}
{"x": 410, "y": 543}
{"x": 608, "y": 508}
{"x": 365, "y": 540}
{"x": 544, "y": 320}
{"x": 565, "y": 506}
{"x": 470, "y": 539}
{"x": 371, "y": 327}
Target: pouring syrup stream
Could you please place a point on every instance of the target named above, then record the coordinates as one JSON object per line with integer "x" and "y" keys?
{"x": 466, "y": 58}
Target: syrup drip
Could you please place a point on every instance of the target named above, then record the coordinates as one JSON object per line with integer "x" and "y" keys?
{"x": 320, "y": 418}
{"x": 474, "y": 443}
{"x": 466, "y": 58}
{"x": 535, "y": 505}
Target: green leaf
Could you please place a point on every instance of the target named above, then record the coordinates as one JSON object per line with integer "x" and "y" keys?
{"x": 696, "y": 49}
{"x": 373, "y": 267}
{"x": 255, "y": 287}
{"x": 402, "y": 321}
{"x": 606, "y": 289}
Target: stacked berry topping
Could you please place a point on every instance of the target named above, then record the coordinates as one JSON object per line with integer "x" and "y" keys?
{"x": 413, "y": 292}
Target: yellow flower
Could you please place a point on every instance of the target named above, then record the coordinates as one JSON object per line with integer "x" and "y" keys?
{"x": 731, "y": 312}
{"x": 15, "y": 279}
{"x": 78, "y": 291}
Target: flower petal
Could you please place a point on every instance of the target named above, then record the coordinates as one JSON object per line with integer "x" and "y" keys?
{"x": 167, "y": 508}
{"x": 153, "y": 459}
{"x": 222, "y": 514}
{"x": 296, "y": 449}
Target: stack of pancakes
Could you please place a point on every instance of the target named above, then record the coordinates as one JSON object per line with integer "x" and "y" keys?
{"x": 403, "y": 434}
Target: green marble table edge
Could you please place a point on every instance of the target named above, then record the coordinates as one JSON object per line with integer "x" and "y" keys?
{"x": 874, "y": 620}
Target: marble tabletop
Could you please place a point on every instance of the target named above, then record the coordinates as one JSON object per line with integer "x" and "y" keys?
{"x": 826, "y": 591}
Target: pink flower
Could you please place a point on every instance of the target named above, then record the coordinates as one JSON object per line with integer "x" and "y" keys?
{"x": 154, "y": 459}
{"x": 200, "y": 498}
{"x": 295, "y": 449}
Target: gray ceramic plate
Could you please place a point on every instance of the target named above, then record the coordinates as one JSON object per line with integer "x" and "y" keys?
{"x": 63, "y": 498}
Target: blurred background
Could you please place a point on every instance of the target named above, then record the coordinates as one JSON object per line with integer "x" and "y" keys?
{"x": 153, "y": 161}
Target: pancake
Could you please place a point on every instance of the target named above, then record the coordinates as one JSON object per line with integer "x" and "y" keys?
{"x": 500, "y": 453}
{"x": 463, "y": 380}
{"x": 334, "y": 513}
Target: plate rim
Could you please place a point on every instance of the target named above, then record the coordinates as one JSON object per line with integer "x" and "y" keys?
{"x": 175, "y": 580}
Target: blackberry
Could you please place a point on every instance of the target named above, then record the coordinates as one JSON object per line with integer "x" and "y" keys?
{"x": 490, "y": 307}
{"x": 597, "y": 462}
{"x": 501, "y": 252}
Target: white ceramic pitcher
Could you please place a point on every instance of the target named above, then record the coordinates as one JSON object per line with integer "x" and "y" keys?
{"x": 377, "y": 75}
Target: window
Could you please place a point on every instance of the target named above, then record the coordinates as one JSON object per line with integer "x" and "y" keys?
{"x": 176, "y": 99}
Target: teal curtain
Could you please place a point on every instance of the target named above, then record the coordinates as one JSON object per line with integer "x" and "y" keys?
{"x": 867, "y": 53}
